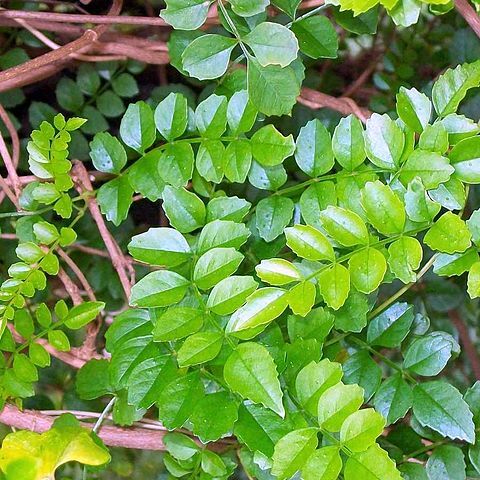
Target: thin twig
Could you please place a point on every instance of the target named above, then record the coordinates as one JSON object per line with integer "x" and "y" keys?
{"x": 469, "y": 14}
{"x": 466, "y": 342}
{"x": 119, "y": 264}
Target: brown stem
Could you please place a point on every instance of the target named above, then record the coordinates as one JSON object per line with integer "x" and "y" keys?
{"x": 133, "y": 437}
{"x": 466, "y": 342}
{"x": 469, "y": 14}
{"x": 119, "y": 264}
{"x": 344, "y": 105}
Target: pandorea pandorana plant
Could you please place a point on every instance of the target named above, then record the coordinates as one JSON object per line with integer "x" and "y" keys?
{"x": 275, "y": 321}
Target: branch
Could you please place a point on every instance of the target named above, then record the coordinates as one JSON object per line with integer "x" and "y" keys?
{"x": 132, "y": 437}
{"x": 466, "y": 342}
{"x": 469, "y": 14}
{"x": 84, "y": 185}
{"x": 344, "y": 105}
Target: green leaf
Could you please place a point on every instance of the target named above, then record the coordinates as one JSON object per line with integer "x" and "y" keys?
{"x": 394, "y": 398}
{"x": 115, "y": 198}
{"x": 227, "y": 208}
{"x": 58, "y": 340}
{"x": 360, "y": 430}
{"x": 222, "y": 233}
{"x": 336, "y": 404}
{"x": 371, "y": 464}
{"x": 308, "y": 242}
{"x": 177, "y": 400}
{"x": 210, "y": 160}
{"x": 430, "y": 167}
{"x": 362, "y": 370}
{"x": 404, "y": 257}
{"x": 45, "y": 232}
{"x": 316, "y": 198}
{"x": 137, "y": 127}
{"x": 440, "y": 406}
{"x": 184, "y": 209}
{"x": 207, "y": 57}
{"x": 429, "y": 354}
{"x": 277, "y": 271}
{"x": 391, "y": 327}
{"x": 160, "y": 246}
{"x": 237, "y": 160}
{"x": 251, "y": 372}
{"x": 459, "y": 127}
{"x": 215, "y": 265}
{"x": 222, "y": 407}
{"x": 185, "y": 14}
{"x": 171, "y": 116}
{"x": 301, "y": 298}
{"x": 334, "y": 285}
{"x": 473, "y": 281}
{"x": 317, "y": 37}
{"x": 270, "y": 147}
{"x": 384, "y": 141}
{"x": 180, "y": 446}
{"x": 107, "y": 153}
{"x": 69, "y": 96}
{"x": 241, "y": 114}
{"x": 450, "y": 195}
{"x": 30, "y": 455}
{"x": 211, "y": 116}
{"x": 175, "y": 166}
{"x": 466, "y": 160}
{"x": 384, "y": 209}
{"x": 446, "y": 463}
{"x": 323, "y": 464}
{"x": 447, "y": 265}
{"x": 259, "y": 428}
{"x": 292, "y": 452}
{"x": 199, "y": 348}
{"x": 82, "y": 314}
{"x": 272, "y": 44}
{"x": 212, "y": 464}
{"x": 267, "y": 178}
{"x": 249, "y": 8}
{"x": 451, "y": 87}
{"x": 144, "y": 176}
{"x": 148, "y": 378}
{"x": 273, "y": 214}
{"x": 448, "y": 234}
{"x": 418, "y": 205}
{"x": 262, "y": 307}
{"x": 348, "y": 143}
{"x": 345, "y": 226}
{"x": 367, "y": 269}
{"x": 230, "y": 294}
{"x": 414, "y": 108}
{"x": 288, "y": 6}
{"x": 159, "y": 289}
{"x": 273, "y": 90}
{"x": 314, "y": 379}
{"x": 313, "y": 152}
{"x": 434, "y": 138}
{"x": 177, "y": 322}
{"x": 125, "y": 85}
{"x": 110, "y": 104}
{"x": 93, "y": 379}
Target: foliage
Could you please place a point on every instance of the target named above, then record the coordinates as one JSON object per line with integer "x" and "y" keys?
{"x": 281, "y": 311}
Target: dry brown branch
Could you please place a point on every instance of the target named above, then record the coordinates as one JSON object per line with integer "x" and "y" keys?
{"x": 133, "y": 437}
{"x": 71, "y": 288}
{"x": 344, "y": 105}
{"x": 13, "y": 137}
{"x": 88, "y": 349}
{"x": 119, "y": 264}
{"x": 465, "y": 340}
{"x": 469, "y": 14}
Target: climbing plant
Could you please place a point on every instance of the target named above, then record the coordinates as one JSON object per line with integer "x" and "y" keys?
{"x": 279, "y": 318}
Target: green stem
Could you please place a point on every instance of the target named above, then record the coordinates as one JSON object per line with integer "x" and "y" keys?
{"x": 307, "y": 15}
